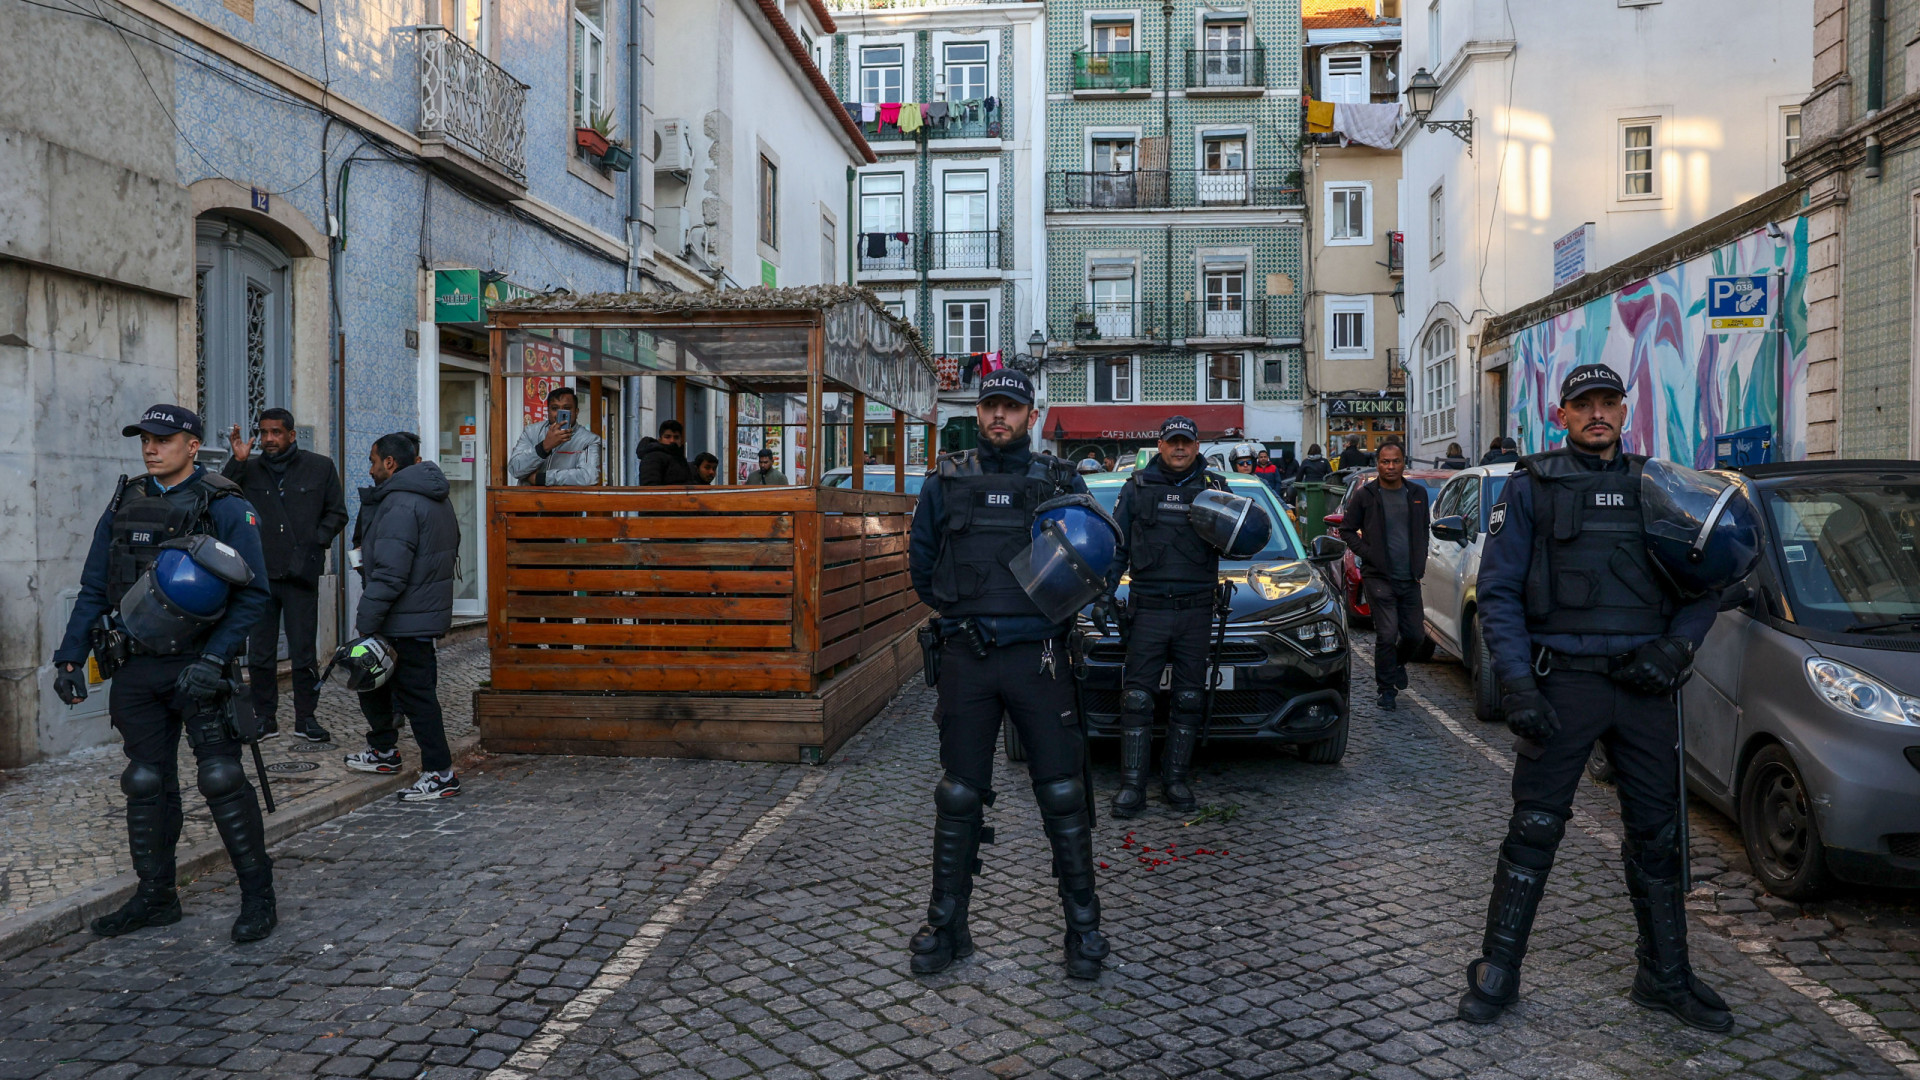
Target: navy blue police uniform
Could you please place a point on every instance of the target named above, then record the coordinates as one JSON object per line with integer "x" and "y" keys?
{"x": 1574, "y": 610}
{"x": 1173, "y": 576}
{"x": 997, "y": 654}
{"x": 146, "y": 702}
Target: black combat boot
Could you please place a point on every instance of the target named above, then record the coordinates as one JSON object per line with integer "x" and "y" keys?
{"x": 1183, "y": 734}
{"x": 1666, "y": 980}
{"x": 1493, "y": 981}
{"x": 156, "y": 902}
{"x": 237, "y": 816}
{"x": 1136, "y": 749}
{"x": 1063, "y": 812}
{"x": 957, "y": 836}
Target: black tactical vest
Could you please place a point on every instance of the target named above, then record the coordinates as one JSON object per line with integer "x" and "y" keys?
{"x": 142, "y": 521}
{"x": 987, "y": 520}
{"x": 1165, "y": 554}
{"x": 1590, "y": 572}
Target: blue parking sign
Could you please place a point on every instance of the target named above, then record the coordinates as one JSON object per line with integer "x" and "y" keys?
{"x": 1737, "y": 304}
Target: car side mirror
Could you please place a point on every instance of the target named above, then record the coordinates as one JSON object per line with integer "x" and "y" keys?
{"x": 1325, "y": 549}
{"x": 1452, "y": 527}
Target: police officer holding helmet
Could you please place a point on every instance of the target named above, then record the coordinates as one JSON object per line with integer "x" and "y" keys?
{"x": 1006, "y": 547}
{"x": 1601, "y": 576}
{"x": 172, "y": 584}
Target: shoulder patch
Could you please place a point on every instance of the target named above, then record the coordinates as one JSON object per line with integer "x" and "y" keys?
{"x": 252, "y": 519}
{"x": 1496, "y": 518}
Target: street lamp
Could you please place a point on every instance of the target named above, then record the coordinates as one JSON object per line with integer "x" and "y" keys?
{"x": 1400, "y": 297}
{"x": 1037, "y": 345}
{"x": 1035, "y": 358}
{"x": 1422, "y": 88}
{"x": 1059, "y": 431}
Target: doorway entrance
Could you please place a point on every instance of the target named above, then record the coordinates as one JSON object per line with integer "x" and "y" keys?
{"x": 463, "y": 458}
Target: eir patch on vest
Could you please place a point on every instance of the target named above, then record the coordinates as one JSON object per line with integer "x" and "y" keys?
{"x": 1496, "y": 518}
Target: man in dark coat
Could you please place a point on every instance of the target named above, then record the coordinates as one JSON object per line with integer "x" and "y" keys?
{"x": 302, "y": 508}
{"x": 663, "y": 461}
{"x": 1353, "y": 456}
{"x": 1315, "y": 466}
{"x": 1385, "y": 523}
{"x": 409, "y": 541}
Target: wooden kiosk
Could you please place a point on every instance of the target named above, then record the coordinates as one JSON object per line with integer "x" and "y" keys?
{"x": 745, "y": 623}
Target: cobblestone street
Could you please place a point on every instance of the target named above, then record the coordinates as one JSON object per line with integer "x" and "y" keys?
{"x": 617, "y": 918}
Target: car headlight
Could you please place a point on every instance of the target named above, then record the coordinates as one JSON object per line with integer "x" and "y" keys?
{"x": 1858, "y": 694}
{"x": 1317, "y": 637}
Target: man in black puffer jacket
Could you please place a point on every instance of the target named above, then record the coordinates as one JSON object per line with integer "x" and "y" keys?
{"x": 409, "y": 540}
{"x": 663, "y": 461}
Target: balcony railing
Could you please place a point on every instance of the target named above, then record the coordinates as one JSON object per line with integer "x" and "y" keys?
{"x": 1226, "y": 317}
{"x": 1112, "y": 70}
{"x": 1226, "y": 69}
{"x": 964, "y": 250}
{"x": 964, "y": 121}
{"x": 1172, "y": 188}
{"x": 471, "y": 102}
{"x": 1396, "y": 254}
{"x": 888, "y": 251}
{"x": 1108, "y": 320}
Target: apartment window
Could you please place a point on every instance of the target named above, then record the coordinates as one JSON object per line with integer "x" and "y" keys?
{"x": 1113, "y": 380}
{"x": 883, "y": 203}
{"x": 966, "y": 241}
{"x": 966, "y": 326}
{"x": 1349, "y": 321}
{"x": 1433, "y": 37}
{"x": 1224, "y": 302}
{"x": 1637, "y": 144}
{"x": 1223, "y": 376}
{"x": 1112, "y": 37}
{"x": 589, "y": 60}
{"x": 896, "y": 308}
{"x": 883, "y": 74}
{"x": 1343, "y": 79}
{"x": 966, "y": 72}
{"x": 1225, "y": 60}
{"x": 769, "y": 203}
{"x": 829, "y": 242}
{"x": 1113, "y": 311}
{"x": 468, "y": 18}
{"x": 1349, "y": 215}
{"x": 1789, "y": 133}
{"x": 1113, "y": 155}
{"x": 1114, "y": 183}
{"x": 1226, "y": 37}
{"x": 1437, "y": 383}
{"x": 1225, "y": 180}
{"x": 1437, "y": 224}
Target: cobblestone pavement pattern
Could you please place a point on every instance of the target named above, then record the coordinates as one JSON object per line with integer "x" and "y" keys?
{"x": 63, "y": 825}
{"x": 1320, "y": 932}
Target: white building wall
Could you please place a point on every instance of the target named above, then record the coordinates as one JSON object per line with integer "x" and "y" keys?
{"x": 1548, "y": 87}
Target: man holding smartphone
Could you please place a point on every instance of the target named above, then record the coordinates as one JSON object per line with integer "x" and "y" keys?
{"x": 557, "y": 451}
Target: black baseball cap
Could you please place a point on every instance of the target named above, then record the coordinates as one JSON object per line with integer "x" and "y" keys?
{"x": 165, "y": 420}
{"x": 1589, "y": 377}
{"x": 1007, "y": 383}
{"x": 1179, "y": 427}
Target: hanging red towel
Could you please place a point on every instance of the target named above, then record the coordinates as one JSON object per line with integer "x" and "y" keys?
{"x": 991, "y": 363}
{"x": 890, "y": 113}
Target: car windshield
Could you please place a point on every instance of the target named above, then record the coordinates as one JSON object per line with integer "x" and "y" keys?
{"x": 878, "y": 478}
{"x": 1284, "y": 545}
{"x": 1847, "y": 546}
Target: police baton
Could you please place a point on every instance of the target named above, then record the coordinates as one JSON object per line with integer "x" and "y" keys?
{"x": 260, "y": 769}
{"x": 246, "y": 729}
{"x": 1223, "y": 607}
{"x": 1076, "y": 653}
{"x": 1685, "y": 830}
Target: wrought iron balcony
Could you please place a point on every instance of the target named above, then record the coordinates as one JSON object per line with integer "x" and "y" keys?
{"x": 1172, "y": 188}
{"x": 472, "y": 113}
{"x": 888, "y": 251}
{"x": 1231, "y": 317}
{"x": 970, "y": 120}
{"x": 1118, "y": 71}
{"x": 1112, "y": 321}
{"x": 964, "y": 250}
{"x": 1226, "y": 69}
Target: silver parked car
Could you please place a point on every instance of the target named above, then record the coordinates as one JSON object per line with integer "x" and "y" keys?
{"x": 1450, "y": 587}
{"x": 1803, "y": 716}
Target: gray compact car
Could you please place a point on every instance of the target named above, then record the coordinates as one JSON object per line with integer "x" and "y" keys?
{"x": 1803, "y": 718}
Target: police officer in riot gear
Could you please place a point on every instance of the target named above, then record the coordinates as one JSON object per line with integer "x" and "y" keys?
{"x": 1170, "y": 608}
{"x": 1590, "y": 639}
{"x": 177, "y": 678}
{"x": 996, "y": 652}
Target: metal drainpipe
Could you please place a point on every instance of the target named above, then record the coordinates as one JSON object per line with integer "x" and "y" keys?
{"x": 635, "y": 192}
{"x": 853, "y": 237}
{"x": 1876, "y": 56}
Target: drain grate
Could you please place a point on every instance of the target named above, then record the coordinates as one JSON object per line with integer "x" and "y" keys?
{"x": 293, "y": 766}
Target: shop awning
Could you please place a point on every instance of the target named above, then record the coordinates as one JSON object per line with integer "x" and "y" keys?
{"x": 1121, "y": 423}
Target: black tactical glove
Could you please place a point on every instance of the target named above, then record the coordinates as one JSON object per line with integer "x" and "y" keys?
{"x": 1529, "y": 714}
{"x": 1103, "y": 615}
{"x": 203, "y": 680}
{"x": 1658, "y": 667}
{"x": 69, "y": 684}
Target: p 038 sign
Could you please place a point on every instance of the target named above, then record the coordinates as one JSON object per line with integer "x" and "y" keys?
{"x": 1739, "y": 304}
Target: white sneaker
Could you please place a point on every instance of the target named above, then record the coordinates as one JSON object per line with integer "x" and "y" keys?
{"x": 431, "y": 786}
{"x": 370, "y": 760}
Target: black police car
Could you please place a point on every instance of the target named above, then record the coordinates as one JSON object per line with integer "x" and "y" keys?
{"x": 1284, "y": 666}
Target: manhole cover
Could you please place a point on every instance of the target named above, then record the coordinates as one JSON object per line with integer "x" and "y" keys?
{"x": 308, "y": 747}
{"x": 293, "y": 766}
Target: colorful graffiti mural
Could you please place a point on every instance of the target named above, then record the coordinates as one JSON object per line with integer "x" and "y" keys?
{"x": 1685, "y": 384}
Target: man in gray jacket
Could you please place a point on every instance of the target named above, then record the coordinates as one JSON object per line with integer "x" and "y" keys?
{"x": 766, "y": 475}
{"x": 557, "y": 451}
{"x": 409, "y": 539}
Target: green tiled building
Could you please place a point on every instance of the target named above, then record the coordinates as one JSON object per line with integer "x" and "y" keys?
{"x": 1173, "y": 221}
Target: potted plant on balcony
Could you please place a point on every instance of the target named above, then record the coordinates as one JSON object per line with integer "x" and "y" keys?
{"x": 594, "y": 139}
{"x": 618, "y": 157}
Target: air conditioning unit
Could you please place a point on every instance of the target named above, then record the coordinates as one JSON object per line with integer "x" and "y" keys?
{"x": 672, "y": 146}
{"x": 670, "y": 230}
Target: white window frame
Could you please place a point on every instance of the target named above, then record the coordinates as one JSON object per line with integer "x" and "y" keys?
{"x": 1434, "y": 26}
{"x": 1439, "y": 387}
{"x": 1625, "y": 167}
{"x": 862, "y": 195}
{"x": 767, "y": 204}
{"x": 1099, "y": 366}
{"x": 829, "y": 248}
{"x": 1204, "y": 376}
{"x": 947, "y": 305}
{"x": 1334, "y": 220}
{"x": 1437, "y": 224}
{"x": 943, "y": 88}
{"x": 861, "y": 67}
{"x": 1791, "y": 137}
{"x": 1132, "y": 314}
{"x": 1332, "y": 308}
{"x": 1350, "y": 88}
{"x": 1112, "y": 18}
{"x": 588, "y": 90}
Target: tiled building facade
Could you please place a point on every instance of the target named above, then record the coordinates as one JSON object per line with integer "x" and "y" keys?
{"x": 1174, "y": 221}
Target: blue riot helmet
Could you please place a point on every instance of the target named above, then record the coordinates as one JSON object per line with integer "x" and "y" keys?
{"x": 182, "y": 594}
{"x": 1075, "y": 543}
{"x": 1701, "y": 530}
{"x": 1234, "y": 525}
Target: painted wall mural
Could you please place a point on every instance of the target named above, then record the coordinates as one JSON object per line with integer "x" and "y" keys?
{"x": 1685, "y": 384}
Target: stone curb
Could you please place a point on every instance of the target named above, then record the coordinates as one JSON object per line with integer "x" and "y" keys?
{"x": 57, "y": 918}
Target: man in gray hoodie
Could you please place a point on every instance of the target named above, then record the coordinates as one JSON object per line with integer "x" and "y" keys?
{"x": 409, "y": 539}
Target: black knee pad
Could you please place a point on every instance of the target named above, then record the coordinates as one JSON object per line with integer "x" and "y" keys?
{"x": 1191, "y": 702}
{"x": 1060, "y": 797}
{"x": 955, "y": 798}
{"x": 221, "y": 776}
{"x": 1533, "y": 836}
{"x": 143, "y": 781}
{"x": 1654, "y": 851}
{"x": 1138, "y": 702}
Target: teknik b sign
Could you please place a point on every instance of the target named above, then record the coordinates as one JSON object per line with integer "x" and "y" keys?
{"x": 1738, "y": 304}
